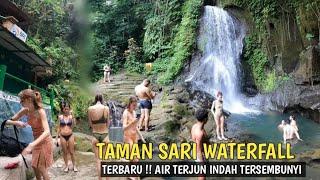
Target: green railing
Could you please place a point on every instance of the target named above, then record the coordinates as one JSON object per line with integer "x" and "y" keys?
{"x": 47, "y": 97}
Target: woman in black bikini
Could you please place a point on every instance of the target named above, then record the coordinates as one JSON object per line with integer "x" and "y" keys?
{"x": 98, "y": 116}
{"x": 66, "y": 137}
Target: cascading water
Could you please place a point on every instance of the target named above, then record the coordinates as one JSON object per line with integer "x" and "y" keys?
{"x": 220, "y": 39}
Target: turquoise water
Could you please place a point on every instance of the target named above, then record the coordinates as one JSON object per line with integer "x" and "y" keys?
{"x": 262, "y": 128}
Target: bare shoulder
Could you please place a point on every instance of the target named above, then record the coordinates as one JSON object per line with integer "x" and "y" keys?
{"x": 125, "y": 112}
{"x": 90, "y": 108}
{"x": 42, "y": 112}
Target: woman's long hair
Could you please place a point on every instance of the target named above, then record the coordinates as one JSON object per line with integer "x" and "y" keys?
{"x": 132, "y": 99}
{"x": 64, "y": 104}
{"x": 34, "y": 95}
{"x": 98, "y": 98}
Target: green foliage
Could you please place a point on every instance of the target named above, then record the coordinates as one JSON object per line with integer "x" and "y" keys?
{"x": 47, "y": 35}
{"x": 133, "y": 58}
{"x": 160, "y": 66}
{"x": 184, "y": 40}
{"x": 257, "y": 60}
{"x": 49, "y": 18}
{"x": 64, "y": 60}
{"x": 309, "y": 36}
{"x": 75, "y": 95}
{"x": 181, "y": 110}
{"x": 160, "y": 28}
{"x": 34, "y": 43}
{"x": 270, "y": 82}
{"x": 111, "y": 27}
{"x": 172, "y": 127}
{"x": 263, "y": 12}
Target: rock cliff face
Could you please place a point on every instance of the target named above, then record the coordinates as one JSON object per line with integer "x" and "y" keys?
{"x": 291, "y": 98}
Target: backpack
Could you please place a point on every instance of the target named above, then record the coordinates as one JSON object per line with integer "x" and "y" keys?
{"x": 10, "y": 146}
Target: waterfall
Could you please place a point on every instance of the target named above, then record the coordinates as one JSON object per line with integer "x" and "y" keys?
{"x": 220, "y": 39}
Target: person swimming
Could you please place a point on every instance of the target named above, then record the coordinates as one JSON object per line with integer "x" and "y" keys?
{"x": 98, "y": 116}
{"x": 290, "y": 131}
{"x": 64, "y": 130}
{"x": 293, "y": 122}
{"x": 217, "y": 111}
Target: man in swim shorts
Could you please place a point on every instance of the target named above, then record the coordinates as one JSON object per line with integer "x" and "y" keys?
{"x": 145, "y": 95}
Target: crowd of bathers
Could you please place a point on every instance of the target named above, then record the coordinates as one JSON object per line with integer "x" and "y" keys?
{"x": 99, "y": 121}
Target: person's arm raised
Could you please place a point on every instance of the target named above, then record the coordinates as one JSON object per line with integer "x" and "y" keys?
{"x": 16, "y": 117}
{"x": 41, "y": 138}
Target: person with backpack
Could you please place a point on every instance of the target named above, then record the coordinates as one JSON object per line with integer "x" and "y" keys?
{"x": 42, "y": 146}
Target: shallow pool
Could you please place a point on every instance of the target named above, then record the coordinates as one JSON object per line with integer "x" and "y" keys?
{"x": 262, "y": 128}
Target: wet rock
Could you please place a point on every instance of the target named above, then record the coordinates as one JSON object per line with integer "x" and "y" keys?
{"x": 178, "y": 90}
{"x": 306, "y": 71}
{"x": 315, "y": 162}
{"x": 200, "y": 98}
{"x": 292, "y": 98}
{"x": 183, "y": 97}
{"x": 250, "y": 91}
{"x": 116, "y": 110}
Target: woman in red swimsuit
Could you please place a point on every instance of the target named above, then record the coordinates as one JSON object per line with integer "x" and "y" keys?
{"x": 41, "y": 148}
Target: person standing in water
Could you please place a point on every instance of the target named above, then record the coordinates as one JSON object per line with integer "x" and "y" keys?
{"x": 106, "y": 73}
{"x": 293, "y": 122}
{"x": 98, "y": 116}
{"x": 145, "y": 95}
{"x": 42, "y": 146}
{"x": 65, "y": 126}
{"x": 289, "y": 132}
{"x": 217, "y": 111}
{"x": 199, "y": 134}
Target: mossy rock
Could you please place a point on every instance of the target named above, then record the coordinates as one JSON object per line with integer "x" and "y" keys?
{"x": 83, "y": 142}
{"x": 172, "y": 127}
{"x": 183, "y": 97}
{"x": 181, "y": 110}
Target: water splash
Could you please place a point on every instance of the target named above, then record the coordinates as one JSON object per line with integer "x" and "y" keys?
{"x": 220, "y": 39}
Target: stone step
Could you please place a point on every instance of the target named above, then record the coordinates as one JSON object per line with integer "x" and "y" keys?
{"x": 115, "y": 91}
{"x": 118, "y": 87}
